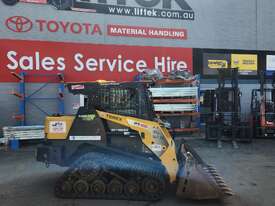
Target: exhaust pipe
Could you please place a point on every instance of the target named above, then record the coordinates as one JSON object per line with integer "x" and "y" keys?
{"x": 197, "y": 180}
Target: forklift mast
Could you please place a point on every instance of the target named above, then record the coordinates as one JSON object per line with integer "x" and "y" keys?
{"x": 228, "y": 97}
{"x": 263, "y": 106}
{"x": 267, "y": 104}
{"x": 226, "y": 122}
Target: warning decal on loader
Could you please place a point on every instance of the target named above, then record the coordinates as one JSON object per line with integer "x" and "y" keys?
{"x": 57, "y": 127}
{"x": 156, "y": 148}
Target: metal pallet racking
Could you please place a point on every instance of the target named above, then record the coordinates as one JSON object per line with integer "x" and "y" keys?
{"x": 29, "y": 98}
{"x": 178, "y": 101}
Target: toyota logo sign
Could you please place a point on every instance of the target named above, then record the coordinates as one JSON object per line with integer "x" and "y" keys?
{"x": 19, "y": 24}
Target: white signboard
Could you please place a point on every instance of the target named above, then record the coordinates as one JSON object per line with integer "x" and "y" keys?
{"x": 270, "y": 62}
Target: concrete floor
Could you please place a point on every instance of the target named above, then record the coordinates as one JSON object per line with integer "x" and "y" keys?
{"x": 250, "y": 171}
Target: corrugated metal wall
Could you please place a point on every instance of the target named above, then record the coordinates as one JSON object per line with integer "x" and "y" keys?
{"x": 222, "y": 24}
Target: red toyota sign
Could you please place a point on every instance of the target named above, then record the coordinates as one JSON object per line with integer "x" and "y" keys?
{"x": 25, "y": 24}
{"x": 87, "y": 62}
{"x": 19, "y": 24}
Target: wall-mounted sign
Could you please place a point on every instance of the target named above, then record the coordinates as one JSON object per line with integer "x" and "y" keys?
{"x": 169, "y": 9}
{"x": 270, "y": 62}
{"x": 247, "y": 63}
{"x": 22, "y": 24}
{"x": 146, "y": 32}
{"x": 13, "y": 2}
{"x": 217, "y": 64}
{"x": 214, "y": 61}
{"x": 88, "y": 62}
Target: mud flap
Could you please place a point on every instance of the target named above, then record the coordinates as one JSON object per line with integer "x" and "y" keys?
{"x": 197, "y": 180}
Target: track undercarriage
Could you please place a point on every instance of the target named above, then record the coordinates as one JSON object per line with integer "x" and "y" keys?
{"x": 112, "y": 176}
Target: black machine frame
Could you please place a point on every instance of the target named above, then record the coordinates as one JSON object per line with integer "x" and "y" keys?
{"x": 263, "y": 107}
{"x": 127, "y": 98}
{"x": 224, "y": 122}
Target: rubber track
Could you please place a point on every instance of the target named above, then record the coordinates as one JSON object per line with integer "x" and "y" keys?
{"x": 122, "y": 165}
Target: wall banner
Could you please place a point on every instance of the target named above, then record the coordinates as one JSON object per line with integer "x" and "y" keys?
{"x": 146, "y": 32}
{"x": 217, "y": 64}
{"x": 270, "y": 62}
{"x": 168, "y": 9}
{"x": 214, "y": 61}
{"x": 245, "y": 62}
{"x": 87, "y": 62}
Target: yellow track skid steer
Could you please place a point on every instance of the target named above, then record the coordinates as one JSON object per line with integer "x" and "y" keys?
{"x": 116, "y": 148}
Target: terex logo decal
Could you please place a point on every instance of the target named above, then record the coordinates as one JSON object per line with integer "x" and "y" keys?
{"x": 171, "y": 9}
{"x": 24, "y": 24}
{"x": 19, "y": 24}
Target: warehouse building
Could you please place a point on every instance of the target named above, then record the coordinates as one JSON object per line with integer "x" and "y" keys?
{"x": 46, "y": 44}
{"x": 68, "y": 39}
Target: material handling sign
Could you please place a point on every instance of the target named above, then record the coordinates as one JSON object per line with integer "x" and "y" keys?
{"x": 146, "y": 32}
{"x": 87, "y": 62}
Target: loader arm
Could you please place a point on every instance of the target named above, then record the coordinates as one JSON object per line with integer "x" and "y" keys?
{"x": 154, "y": 136}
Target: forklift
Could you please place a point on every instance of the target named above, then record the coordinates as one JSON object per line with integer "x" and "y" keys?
{"x": 263, "y": 107}
{"x": 224, "y": 120}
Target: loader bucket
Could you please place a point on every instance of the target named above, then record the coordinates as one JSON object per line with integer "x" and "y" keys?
{"x": 197, "y": 180}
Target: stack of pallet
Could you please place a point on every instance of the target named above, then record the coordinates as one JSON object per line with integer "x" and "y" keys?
{"x": 23, "y": 133}
{"x": 177, "y": 101}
